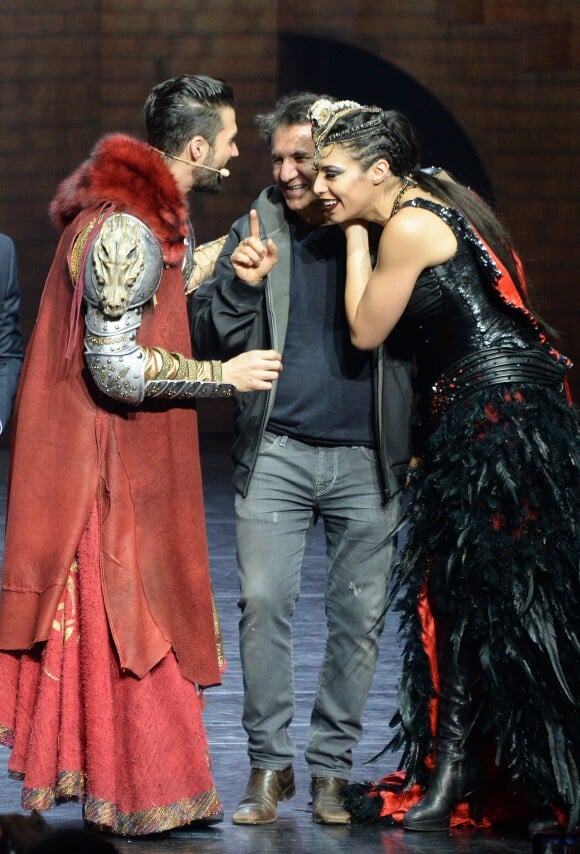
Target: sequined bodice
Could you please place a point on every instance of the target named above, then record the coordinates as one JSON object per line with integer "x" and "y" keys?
{"x": 454, "y": 312}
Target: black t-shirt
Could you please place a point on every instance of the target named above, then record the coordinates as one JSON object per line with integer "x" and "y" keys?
{"x": 324, "y": 393}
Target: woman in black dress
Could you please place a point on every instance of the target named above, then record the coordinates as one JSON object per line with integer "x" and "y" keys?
{"x": 492, "y": 554}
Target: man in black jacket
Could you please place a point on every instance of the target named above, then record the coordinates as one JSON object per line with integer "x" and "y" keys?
{"x": 329, "y": 441}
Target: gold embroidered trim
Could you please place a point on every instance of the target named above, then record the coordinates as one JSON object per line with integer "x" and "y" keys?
{"x": 6, "y": 736}
{"x": 71, "y": 786}
{"x": 218, "y": 635}
{"x": 208, "y": 372}
{"x": 78, "y": 249}
{"x": 204, "y": 259}
{"x": 154, "y": 820}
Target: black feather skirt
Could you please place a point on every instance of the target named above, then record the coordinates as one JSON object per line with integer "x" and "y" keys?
{"x": 495, "y": 537}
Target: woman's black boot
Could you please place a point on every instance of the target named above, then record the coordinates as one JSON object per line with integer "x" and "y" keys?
{"x": 457, "y": 778}
{"x": 459, "y": 773}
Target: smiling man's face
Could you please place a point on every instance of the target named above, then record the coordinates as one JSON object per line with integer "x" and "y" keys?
{"x": 294, "y": 172}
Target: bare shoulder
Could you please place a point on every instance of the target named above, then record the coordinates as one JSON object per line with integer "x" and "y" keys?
{"x": 418, "y": 230}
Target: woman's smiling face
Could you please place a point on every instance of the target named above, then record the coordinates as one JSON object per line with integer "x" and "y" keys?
{"x": 342, "y": 185}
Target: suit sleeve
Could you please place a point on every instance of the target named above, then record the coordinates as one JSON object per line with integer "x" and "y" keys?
{"x": 11, "y": 342}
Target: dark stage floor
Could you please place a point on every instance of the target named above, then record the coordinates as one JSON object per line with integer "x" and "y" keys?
{"x": 294, "y": 833}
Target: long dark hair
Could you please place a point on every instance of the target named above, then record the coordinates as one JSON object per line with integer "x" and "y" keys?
{"x": 369, "y": 133}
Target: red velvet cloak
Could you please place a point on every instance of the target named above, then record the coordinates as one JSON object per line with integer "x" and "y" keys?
{"x": 71, "y": 444}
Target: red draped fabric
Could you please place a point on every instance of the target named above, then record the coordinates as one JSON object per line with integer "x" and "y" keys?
{"x": 133, "y": 751}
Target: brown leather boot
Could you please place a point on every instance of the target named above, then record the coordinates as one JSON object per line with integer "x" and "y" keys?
{"x": 265, "y": 788}
{"x": 327, "y": 806}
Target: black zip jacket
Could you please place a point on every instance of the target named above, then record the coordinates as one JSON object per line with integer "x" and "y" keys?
{"x": 229, "y": 317}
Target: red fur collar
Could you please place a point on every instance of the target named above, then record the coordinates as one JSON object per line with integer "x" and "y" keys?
{"x": 128, "y": 173}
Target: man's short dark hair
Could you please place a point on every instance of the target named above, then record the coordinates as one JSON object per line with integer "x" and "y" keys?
{"x": 184, "y": 107}
{"x": 289, "y": 110}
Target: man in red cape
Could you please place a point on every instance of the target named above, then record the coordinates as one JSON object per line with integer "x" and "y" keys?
{"x": 107, "y": 625}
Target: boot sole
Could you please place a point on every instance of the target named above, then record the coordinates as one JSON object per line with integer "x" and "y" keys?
{"x": 336, "y": 821}
{"x": 428, "y": 826}
{"x": 288, "y": 793}
{"x": 254, "y": 823}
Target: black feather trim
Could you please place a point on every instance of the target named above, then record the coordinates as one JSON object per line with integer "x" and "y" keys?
{"x": 495, "y": 532}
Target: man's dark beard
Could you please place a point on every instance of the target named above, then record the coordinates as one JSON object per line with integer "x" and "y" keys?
{"x": 209, "y": 183}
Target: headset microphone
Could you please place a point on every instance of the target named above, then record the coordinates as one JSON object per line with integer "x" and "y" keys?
{"x": 224, "y": 173}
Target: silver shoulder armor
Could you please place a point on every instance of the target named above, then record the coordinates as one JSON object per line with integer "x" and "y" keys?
{"x": 123, "y": 271}
{"x": 124, "y": 266}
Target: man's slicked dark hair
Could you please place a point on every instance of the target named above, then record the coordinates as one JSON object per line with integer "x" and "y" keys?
{"x": 289, "y": 110}
{"x": 184, "y": 107}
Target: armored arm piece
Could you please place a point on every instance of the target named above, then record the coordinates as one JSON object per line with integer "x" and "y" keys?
{"x": 123, "y": 271}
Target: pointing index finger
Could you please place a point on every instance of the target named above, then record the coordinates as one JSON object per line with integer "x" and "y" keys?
{"x": 254, "y": 224}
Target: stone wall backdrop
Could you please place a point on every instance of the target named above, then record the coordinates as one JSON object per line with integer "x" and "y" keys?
{"x": 492, "y": 86}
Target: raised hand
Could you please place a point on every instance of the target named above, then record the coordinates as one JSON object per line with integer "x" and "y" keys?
{"x": 255, "y": 370}
{"x": 253, "y": 259}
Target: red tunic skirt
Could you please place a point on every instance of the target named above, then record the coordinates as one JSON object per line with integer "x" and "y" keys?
{"x": 132, "y": 751}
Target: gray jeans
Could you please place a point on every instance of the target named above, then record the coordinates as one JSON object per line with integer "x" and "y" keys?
{"x": 292, "y": 484}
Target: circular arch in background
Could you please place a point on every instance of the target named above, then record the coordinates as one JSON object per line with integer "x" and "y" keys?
{"x": 347, "y": 72}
